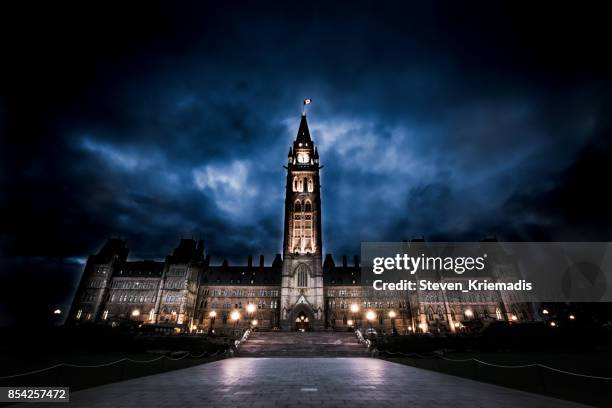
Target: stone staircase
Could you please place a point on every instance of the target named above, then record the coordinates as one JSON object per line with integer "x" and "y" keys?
{"x": 302, "y": 344}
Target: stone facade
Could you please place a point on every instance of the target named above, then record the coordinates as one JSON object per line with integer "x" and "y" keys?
{"x": 298, "y": 290}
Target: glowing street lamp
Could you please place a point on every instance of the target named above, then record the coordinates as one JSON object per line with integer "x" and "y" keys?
{"x": 392, "y": 317}
{"x": 370, "y": 315}
{"x": 354, "y": 311}
{"x": 57, "y": 312}
{"x": 572, "y": 317}
{"x": 553, "y": 324}
{"x": 350, "y": 323}
{"x": 251, "y": 309}
{"x": 469, "y": 313}
{"x": 135, "y": 313}
{"x": 514, "y": 318}
{"x": 212, "y": 316}
{"x": 235, "y": 316}
{"x": 254, "y": 322}
{"x": 545, "y": 311}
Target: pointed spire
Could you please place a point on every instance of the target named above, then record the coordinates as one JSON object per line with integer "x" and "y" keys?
{"x": 316, "y": 153}
{"x": 303, "y": 135}
{"x": 290, "y": 152}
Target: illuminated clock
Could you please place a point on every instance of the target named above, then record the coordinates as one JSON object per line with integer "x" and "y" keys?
{"x": 303, "y": 158}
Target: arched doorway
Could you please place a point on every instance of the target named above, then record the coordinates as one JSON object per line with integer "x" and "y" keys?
{"x": 302, "y": 318}
{"x": 302, "y": 322}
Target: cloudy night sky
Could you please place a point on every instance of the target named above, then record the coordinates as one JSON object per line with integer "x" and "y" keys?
{"x": 155, "y": 121}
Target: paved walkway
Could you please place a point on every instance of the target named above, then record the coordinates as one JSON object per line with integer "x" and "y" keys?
{"x": 305, "y": 382}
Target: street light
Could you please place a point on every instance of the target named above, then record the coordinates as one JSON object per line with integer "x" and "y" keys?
{"x": 254, "y": 322}
{"x": 354, "y": 310}
{"x": 572, "y": 317}
{"x": 212, "y": 316}
{"x": 370, "y": 315}
{"x": 545, "y": 311}
{"x": 251, "y": 309}
{"x": 392, "y": 317}
{"x": 469, "y": 313}
{"x": 235, "y": 316}
{"x": 57, "y": 311}
{"x": 135, "y": 313}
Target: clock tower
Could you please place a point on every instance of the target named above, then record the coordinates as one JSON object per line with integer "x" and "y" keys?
{"x": 302, "y": 301}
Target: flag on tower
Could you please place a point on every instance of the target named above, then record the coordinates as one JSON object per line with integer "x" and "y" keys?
{"x": 307, "y": 101}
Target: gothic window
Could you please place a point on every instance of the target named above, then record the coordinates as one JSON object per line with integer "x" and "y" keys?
{"x": 302, "y": 275}
{"x": 295, "y": 184}
{"x": 304, "y": 184}
{"x": 308, "y": 206}
{"x": 440, "y": 313}
{"x": 498, "y": 314}
{"x": 298, "y": 207}
{"x": 430, "y": 314}
{"x": 310, "y": 185}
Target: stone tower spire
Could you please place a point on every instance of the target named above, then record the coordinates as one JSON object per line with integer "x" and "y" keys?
{"x": 302, "y": 282}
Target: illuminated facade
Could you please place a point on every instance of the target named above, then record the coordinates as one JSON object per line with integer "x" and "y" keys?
{"x": 298, "y": 290}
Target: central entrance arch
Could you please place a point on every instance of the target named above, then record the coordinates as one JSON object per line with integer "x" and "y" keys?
{"x": 302, "y": 318}
{"x": 302, "y": 322}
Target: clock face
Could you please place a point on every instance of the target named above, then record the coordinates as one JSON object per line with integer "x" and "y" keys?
{"x": 303, "y": 158}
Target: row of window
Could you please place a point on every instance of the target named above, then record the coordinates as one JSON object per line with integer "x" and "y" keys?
{"x": 128, "y": 284}
{"x": 300, "y": 184}
{"x": 368, "y": 304}
{"x": 241, "y": 292}
{"x": 131, "y": 298}
{"x": 173, "y": 298}
{"x": 461, "y": 297}
{"x": 96, "y": 283}
{"x": 227, "y": 305}
{"x": 175, "y": 284}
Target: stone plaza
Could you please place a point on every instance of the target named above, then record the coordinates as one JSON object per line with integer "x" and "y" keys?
{"x": 306, "y": 382}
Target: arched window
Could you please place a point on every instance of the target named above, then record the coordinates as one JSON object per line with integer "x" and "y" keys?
{"x": 308, "y": 206}
{"x": 310, "y": 185}
{"x": 440, "y": 313}
{"x": 302, "y": 275}
{"x": 430, "y": 314}
{"x": 498, "y": 314}
{"x": 305, "y": 184}
{"x": 298, "y": 206}
{"x": 295, "y": 184}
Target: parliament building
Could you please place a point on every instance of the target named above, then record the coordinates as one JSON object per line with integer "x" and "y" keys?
{"x": 298, "y": 290}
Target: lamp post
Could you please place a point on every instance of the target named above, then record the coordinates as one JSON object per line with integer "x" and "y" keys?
{"x": 235, "y": 316}
{"x": 212, "y": 316}
{"x": 392, "y": 317}
{"x": 250, "y": 310}
{"x": 370, "y": 315}
{"x": 354, "y": 310}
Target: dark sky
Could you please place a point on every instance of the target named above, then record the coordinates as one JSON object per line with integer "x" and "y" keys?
{"x": 154, "y": 121}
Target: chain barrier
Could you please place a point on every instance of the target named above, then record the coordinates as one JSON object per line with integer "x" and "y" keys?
{"x": 465, "y": 360}
{"x": 185, "y": 355}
